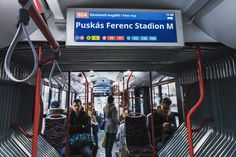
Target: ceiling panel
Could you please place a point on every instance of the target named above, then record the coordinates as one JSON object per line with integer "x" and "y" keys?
{"x": 124, "y": 58}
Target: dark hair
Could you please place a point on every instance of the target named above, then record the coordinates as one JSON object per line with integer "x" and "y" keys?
{"x": 77, "y": 101}
{"x": 54, "y": 104}
{"x": 110, "y": 99}
{"x": 166, "y": 101}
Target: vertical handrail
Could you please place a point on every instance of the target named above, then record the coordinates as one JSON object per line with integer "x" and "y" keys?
{"x": 198, "y": 103}
{"x": 87, "y": 100}
{"x": 92, "y": 98}
{"x": 85, "y": 86}
{"x": 34, "y": 14}
{"x": 37, "y": 106}
{"x": 119, "y": 101}
{"x": 38, "y": 6}
{"x": 42, "y": 25}
{"x": 123, "y": 93}
{"x": 86, "y": 90}
{"x": 127, "y": 88}
{"x": 152, "y": 116}
{"x": 68, "y": 116}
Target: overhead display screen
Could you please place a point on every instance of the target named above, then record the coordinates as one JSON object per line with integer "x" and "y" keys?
{"x": 113, "y": 27}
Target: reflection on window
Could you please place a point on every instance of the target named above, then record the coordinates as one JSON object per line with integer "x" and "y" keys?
{"x": 54, "y": 95}
{"x": 45, "y": 97}
{"x": 169, "y": 90}
{"x": 63, "y": 99}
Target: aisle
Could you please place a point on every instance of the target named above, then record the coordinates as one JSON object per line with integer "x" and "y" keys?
{"x": 101, "y": 150}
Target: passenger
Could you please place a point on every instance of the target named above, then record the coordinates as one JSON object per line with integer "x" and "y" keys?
{"x": 123, "y": 114}
{"x": 80, "y": 124}
{"x": 95, "y": 129}
{"x": 111, "y": 125}
{"x": 55, "y": 109}
{"x": 164, "y": 123}
{"x": 121, "y": 137}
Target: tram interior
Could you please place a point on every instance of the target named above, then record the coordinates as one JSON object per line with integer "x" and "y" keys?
{"x": 200, "y": 73}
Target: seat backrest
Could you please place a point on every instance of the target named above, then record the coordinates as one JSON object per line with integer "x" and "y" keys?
{"x": 136, "y": 131}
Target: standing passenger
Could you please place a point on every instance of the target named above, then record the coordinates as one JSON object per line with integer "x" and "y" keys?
{"x": 95, "y": 130}
{"x": 111, "y": 125}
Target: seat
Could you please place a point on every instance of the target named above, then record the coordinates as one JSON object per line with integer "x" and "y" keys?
{"x": 137, "y": 138}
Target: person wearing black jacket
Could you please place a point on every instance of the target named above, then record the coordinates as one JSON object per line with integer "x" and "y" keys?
{"x": 80, "y": 123}
{"x": 164, "y": 123}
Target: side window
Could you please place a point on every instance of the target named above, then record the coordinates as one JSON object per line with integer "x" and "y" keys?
{"x": 45, "y": 97}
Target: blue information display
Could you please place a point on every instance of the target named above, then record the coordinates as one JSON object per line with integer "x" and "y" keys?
{"x": 95, "y": 26}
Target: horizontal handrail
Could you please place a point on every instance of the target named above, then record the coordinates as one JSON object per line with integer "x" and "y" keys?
{"x": 163, "y": 82}
{"x": 39, "y": 21}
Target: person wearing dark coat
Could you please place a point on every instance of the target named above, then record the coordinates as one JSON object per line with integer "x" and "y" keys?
{"x": 80, "y": 123}
{"x": 164, "y": 123}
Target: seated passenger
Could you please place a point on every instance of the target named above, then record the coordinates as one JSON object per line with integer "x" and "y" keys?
{"x": 55, "y": 109}
{"x": 164, "y": 123}
{"x": 80, "y": 130}
{"x": 123, "y": 114}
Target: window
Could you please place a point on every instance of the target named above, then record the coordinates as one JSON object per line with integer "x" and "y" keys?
{"x": 63, "y": 99}
{"x": 45, "y": 97}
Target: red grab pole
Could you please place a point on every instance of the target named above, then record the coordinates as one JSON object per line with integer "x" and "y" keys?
{"x": 152, "y": 117}
{"x": 127, "y": 88}
{"x": 38, "y": 5}
{"x": 86, "y": 90}
{"x": 123, "y": 93}
{"x": 68, "y": 117}
{"x": 37, "y": 106}
{"x": 34, "y": 14}
{"x": 119, "y": 101}
{"x": 198, "y": 103}
{"x": 85, "y": 85}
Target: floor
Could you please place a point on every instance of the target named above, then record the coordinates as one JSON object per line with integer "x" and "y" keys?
{"x": 101, "y": 150}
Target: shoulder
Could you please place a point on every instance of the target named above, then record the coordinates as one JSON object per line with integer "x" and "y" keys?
{"x": 114, "y": 109}
{"x": 172, "y": 115}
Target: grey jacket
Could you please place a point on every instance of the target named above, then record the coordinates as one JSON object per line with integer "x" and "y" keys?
{"x": 111, "y": 120}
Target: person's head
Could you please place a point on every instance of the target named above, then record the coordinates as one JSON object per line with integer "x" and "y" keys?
{"x": 165, "y": 105}
{"x": 110, "y": 99}
{"x": 90, "y": 111}
{"x": 54, "y": 104}
{"x": 126, "y": 111}
{"x": 77, "y": 106}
